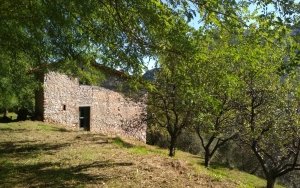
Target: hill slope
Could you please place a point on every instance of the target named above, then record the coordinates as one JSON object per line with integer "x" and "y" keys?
{"x": 33, "y": 154}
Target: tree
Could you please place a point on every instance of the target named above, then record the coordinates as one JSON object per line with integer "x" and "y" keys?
{"x": 214, "y": 86}
{"x": 169, "y": 102}
{"x": 169, "y": 108}
{"x": 16, "y": 86}
{"x": 268, "y": 105}
{"x": 271, "y": 127}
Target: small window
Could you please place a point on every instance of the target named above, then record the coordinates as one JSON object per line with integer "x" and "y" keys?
{"x": 64, "y": 107}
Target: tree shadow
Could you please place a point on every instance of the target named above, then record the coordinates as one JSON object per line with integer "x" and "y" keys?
{"x": 217, "y": 165}
{"x": 196, "y": 157}
{"x": 49, "y": 174}
{"x": 92, "y": 137}
{"x": 95, "y": 138}
{"x": 23, "y": 149}
{"x": 46, "y": 127}
{"x": 61, "y": 129}
{"x": 10, "y": 130}
{"x": 103, "y": 139}
{"x": 6, "y": 119}
{"x": 118, "y": 141}
{"x": 38, "y": 126}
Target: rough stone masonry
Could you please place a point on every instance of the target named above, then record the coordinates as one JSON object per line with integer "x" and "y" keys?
{"x": 111, "y": 112}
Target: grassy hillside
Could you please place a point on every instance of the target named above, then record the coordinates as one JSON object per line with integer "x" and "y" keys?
{"x": 33, "y": 154}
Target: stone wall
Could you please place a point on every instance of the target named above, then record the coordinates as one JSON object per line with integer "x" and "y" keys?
{"x": 111, "y": 112}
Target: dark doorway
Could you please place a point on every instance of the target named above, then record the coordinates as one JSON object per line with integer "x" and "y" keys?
{"x": 84, "y": 117}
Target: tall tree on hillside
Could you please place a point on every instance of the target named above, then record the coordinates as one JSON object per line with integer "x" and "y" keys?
{"x": 268, "y": 104}
{"x": 214, "y": 87}
{"x": 168, "y": 106}
{"x": 270, "y": 124}
{"x": 169, "y": 101}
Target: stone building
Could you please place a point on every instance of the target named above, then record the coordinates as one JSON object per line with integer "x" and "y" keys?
{"x": 92, "y": 108}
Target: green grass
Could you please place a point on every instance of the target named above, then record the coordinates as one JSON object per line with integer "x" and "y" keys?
{"x": 34, "y": 154}
{"x": 138, "y": 149}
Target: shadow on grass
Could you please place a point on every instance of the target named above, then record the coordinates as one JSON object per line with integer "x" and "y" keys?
{"x": 53, "y": 175}
{"x": 61, "y": 130}
{"x": 103, "y": 139}
{"x": 10, "y": 130}
{"x": 45, "y": 127}
{"x": 93, "y": 138}
{"x": 197, "y": 157}
{"x": 218, "y": 165}
{"x": 23, "y": 149}
{"x": 118, "y": 141}
{"x": 42, "y": 127}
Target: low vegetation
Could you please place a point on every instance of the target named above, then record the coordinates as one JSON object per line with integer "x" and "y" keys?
{"x": 34, "y": 154}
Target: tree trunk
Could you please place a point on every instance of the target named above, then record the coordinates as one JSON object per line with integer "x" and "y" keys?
{"x": 39, "y": 98}
{"x": 207, "y": 158}
{"x": 271, "y": 182}
{"x": 172, "y": 146}
{"x": 39, "y": 105}
{"x": 5, "y": 112}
